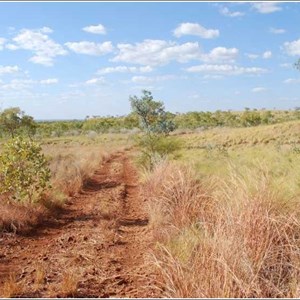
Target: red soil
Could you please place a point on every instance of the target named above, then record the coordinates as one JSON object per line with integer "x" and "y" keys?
{"x": 100, "y": 243}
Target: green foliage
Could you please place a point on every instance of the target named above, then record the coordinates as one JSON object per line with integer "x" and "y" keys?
{"x": 156, "y": 124}
{"x": 152, "y": 115}
{"x": 157, "y": 147}
{"x": 24, "y": 172}
{"x": 13, "y": 121}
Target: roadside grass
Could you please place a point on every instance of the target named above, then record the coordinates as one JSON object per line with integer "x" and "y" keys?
{"x": 72, "y": 161}
{"x": 226, "y": 218}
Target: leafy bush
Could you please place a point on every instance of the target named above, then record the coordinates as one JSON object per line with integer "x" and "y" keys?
{"x": 24, "y": 172}
{"x": 157, "y": 147}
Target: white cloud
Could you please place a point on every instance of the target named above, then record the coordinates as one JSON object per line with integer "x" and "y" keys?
{"x": 277, "y": 30}
{"x": 267, "y": 54}
{"x": 11, "y": 47}
{"x": 90, "y": 48}
{"x": 96, "y": 29}
{"x": 286, "y": 65}
{"x": 37, "y": 41}
{"x": 209, "y": 76}
{"x": 49, "y": 81}
{"x": 292, "y": 48}
{"x": 42, "y": 60}
{"x": 252, "y": 56}
{"x": 226, "y": 12}
{"x": 98, "y": 80}
{"x": 226, "y": 69}
{"x": 9, "y": 69}
{"x": 46, "y": 30}
{"x": 258, "y": 89}
{"x": 292, "y": 80}
{"x": 195, "y": 29}
{"x": 18, "y": 84}
{"x": 23, "y": 84}
{"x": 125, "y": 69}
{"x": 2, "y": 42}
{"x": 266, "y": 7}
{"x": 147, "y": 79}
{"x": 157, "y": 52}
{"x": 220, "y": 54}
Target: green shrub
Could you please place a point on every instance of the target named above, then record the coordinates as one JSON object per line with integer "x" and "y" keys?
{"x": 157, "y": 147}
{"x": 24, "y": 172}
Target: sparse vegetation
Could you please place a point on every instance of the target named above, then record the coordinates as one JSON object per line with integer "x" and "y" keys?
{"x": 24, "y": 171}
{"x": 221, "y": 192}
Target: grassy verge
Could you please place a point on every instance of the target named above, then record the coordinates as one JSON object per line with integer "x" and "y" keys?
{"x": 72, "y": 161}
{"x": 227, "y": 219}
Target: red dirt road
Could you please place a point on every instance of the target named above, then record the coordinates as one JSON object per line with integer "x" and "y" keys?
{"x": 99, "y": 246}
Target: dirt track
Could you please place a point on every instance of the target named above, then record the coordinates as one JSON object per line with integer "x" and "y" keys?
{"x": 100, "y": 243}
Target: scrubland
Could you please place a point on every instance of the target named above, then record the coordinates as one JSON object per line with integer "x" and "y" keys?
{"x": 224, "y": 211}
{"x": 72, "y": 160}
{"x": 226, "y": 214}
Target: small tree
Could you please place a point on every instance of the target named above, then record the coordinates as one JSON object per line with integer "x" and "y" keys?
{"x": 156, "y": 124}
{"x": 10, "y": 120}
{"x": 152, "y": 114}
{"x": 24, "y": 172}
{"x": 13, "y": 119}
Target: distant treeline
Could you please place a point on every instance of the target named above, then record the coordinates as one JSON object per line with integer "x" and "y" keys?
{"x": 190, "y": 120}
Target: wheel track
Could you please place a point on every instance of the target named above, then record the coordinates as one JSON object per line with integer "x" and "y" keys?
{"x": 101, "y": 241}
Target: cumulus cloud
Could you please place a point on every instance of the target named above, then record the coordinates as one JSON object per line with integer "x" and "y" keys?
{"x": 277, "y": 30}
{"x": 23, "y": 84}
{"x": 124, "y": 69}
{"x": 221, "y": 54}
{"x": 267, "y": 55}
{"x": 292, "y": 48}
{"x": 252, "y": 56}
{"x": 96, "y": 29}
{"x": 286, "y": 65}
{"x": 18, "y": 84}
{"x": 258, "y": 89}
{"x": 90, "y": 48}
{"x": 38, "y": 42}
{"x": 226, "y": 12}
{"x": 95, "y": 81}
{"x": 159, "y": 52}
{"x": 49, "y": 81}
{"x": 9, "y": 69}
{"x": 292, "y": 80}
{"x": 147, "y": 79}
{"x": 266, "y": 7}
{"x": 226, "y": 69}
{"x": 195, "y": 29}
{"x": 2, "y": 42}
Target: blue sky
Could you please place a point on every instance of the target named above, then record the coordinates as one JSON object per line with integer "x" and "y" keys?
{"x": 70, "y": 60}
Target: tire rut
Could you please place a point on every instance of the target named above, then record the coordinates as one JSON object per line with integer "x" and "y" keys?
{"x": 98, "y": 246}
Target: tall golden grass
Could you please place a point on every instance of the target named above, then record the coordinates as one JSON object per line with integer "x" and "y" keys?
{"x": 237, "y": 237}
{"x": 70, "y": 166}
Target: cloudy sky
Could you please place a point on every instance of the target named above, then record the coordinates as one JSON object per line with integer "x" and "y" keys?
{"x": 69, "y": 60}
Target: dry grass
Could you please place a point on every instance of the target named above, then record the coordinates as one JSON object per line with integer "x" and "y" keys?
{"x": 69, "y": 284}
{"x": 71, "y": 166}
{"x": 231, "y": 238}
{"x": 11, "y": 288}
{"x": 15, "y": 216}
{"x": 40, "y": 274}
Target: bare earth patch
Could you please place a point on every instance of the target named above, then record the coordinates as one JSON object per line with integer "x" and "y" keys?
{"x": 99, "y": 246}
